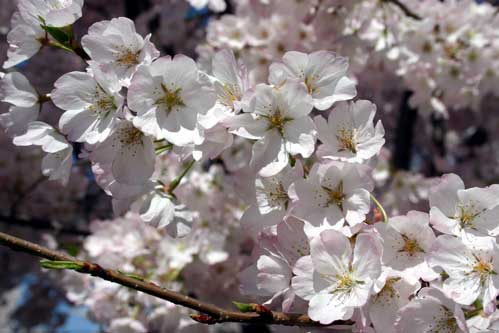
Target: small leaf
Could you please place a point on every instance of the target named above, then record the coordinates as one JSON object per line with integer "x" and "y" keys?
{"x": 244, "y": 307}
{"x": 60, "y": 264}
{"x": 133, "y": 276}
{"x": 58, "y": 34}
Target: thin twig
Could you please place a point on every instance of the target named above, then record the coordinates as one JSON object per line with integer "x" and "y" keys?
{"x": 407, "y": 11}
{"x": 211, "y": 314}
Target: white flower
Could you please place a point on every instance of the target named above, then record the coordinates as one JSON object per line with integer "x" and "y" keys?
{"x": 16, "y": 90}
{"x": 271, "y": 274}
{"x": 214, "y": 5}
{"x": 472, "y": 266}
{"x": 455, "y": 210}
{"x": 130, "y": 152}
{"x": 230, "y": 80}
{"x": 168, "y": 96}
{"x": 392, "y": 293}
{"x": 92, "y": 103}
{"x": 25, "y": 40}
{"x": 126, "y": 325}
{"x": 334, "y": 280}
{"x": 57, "y": 163}
{"x": 429, "y": 312}
{"x": 278, "y": 118}
{"x": 406, "y": 241}
{"x": 272, "y": 202}
{"x": 158, "y": 209}
{"x": 332, "y": 194}
{"x": 117, "y": 43}
{"x": 323, "y": 73}
{"x": 349, "y": 134}
{"x": 54, "y": 13}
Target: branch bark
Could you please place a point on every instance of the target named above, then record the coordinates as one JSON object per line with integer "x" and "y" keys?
{"x": 211, "y": 314}
{"x": 406, "y": 10}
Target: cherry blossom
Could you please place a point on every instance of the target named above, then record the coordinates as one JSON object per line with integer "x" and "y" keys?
{"x": 322, "y": 72}
{"x": 168, "y": 97}
{"x": 117, "y": 44}
{"x": 272, "y": 201}
{"x": 92, "y": 103}
{"x": 334, "y": 279}
{"x": 129, "y": 151}
{"x": 471, "y": 266}
{"x": 406, "y": 242}
{"x": 58, "y": 161}
{"x": 455, "y": 210}
{"x": 349, "y": 133}
{"x": 54, "y": 13}
{"x": 332, "y": 194}
{"x": 278, "y": 119}
{"x": 431, "y": 311}
{"x": 15, "y": 89}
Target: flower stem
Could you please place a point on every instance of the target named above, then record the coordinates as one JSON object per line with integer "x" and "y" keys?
{"x": 380, "y": 207}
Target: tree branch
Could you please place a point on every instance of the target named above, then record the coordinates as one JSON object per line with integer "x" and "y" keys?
{"x": 211, "y": 314}
{"x": 407, "y": 11}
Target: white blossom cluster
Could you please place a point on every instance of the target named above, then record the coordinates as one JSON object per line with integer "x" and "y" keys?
{"x": 447, "y": 57}
{"x": 298, "y": 151}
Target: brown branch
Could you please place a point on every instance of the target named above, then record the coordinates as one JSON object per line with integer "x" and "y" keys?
{"x": 406, "y": 10}
{"x": 211, "y": 314}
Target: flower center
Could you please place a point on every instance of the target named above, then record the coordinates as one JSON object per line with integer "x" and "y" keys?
{"x": 130, "y": 136}
{"x": 171, "y": 98}
{"x": 230, "y": 94}
{"x": 277, "y": 121}
{"x": 411, "y": 246}
{"x": 483, "y": 269}
{"x": 345, "y": 282}
{"x": 466, "y": 215}
{"x": 103, "y": 106}
{"x": 345, "y": 137}
{"x": 128, "y": 58}
{"x": 278, "y": 195}
{"x": 335, "y": 196}
{"x": 310, "y": 82}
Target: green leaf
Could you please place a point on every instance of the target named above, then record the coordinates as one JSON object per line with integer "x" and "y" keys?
{"x": 244, "y": 307}
{"x": 133, "y": 276}
{"x": 61, "y": 35}
{"x": 60, "y": 264}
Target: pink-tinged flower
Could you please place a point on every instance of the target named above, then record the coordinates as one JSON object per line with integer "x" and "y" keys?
{"x": 270, "y": 276}
{"x": 322, "y": 72}
{"x": 332, "y": 194}
{"x": 231, "y": 83}
{"x": 349, "y": 133}
{"x": 54, "y": 13}
{"x": 117, "y": 44}
{"x": 58, "y": 161}
{"x": 392, "y": 293}
{"x": 406, "y": 241}
{"x": 16, "y": 90}
{"x": 455, "y": 210}
{"x": 272, "y": 202}
{"x": 429, "y": 312}
{"x": 334, "y": 280}
{"x": 92, "y": 102}
{"x": 471, "y": 265}
{"x": 278, "y": 118}
{"x": 169, "y": 96}
{"x": 129, "y": 151}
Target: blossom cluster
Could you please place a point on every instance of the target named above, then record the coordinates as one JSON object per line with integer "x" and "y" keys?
{"x": 447, "y": 56}
{"x": 204, "y": 158}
